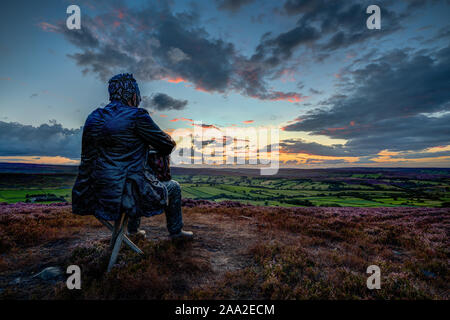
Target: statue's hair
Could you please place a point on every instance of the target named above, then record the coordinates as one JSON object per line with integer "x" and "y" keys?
{"x": 122, "y": 86}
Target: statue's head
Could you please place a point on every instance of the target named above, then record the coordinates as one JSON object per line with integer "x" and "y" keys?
{"x": 124, "y": 88}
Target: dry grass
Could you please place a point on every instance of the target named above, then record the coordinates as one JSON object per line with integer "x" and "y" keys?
{"x": 240, "y": 252}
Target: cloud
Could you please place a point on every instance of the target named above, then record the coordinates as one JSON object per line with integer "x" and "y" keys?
{"x": 182, "y": 119}
{"x": 399, "y": 101}
{"x": 158, "y": 44}
{"x": 314, "y": 91}
{"x": 45, "y": 140}
{"x": 48, "y": 27}
{"x": 151, "y": 46}
{"x": 205, "y": 126}
{"x": 313, "y": 148}
{"x": 84, "y": 38}
{"x": 248, "y": 121}
{"x": 232, "y": 5}
{"x": 323, "y": 26}
{"x": 161, "y": 101}
{"x": 176, "y": 55}
{"x": 280, "y": 96}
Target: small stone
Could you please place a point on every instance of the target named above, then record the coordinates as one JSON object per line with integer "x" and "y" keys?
{"x": 49, "y": 273}
{"x": 429, "y": 274}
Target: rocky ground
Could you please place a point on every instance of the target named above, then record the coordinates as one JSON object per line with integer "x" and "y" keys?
{"x": 239, "y": 252}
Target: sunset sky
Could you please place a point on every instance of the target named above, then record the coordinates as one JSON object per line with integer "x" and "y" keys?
{"x": 342, "y": 95}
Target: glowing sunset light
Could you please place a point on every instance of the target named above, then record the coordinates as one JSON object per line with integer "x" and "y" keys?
{"x": 181, "y": 119}
{"x": 438, "y": 149}
{"x": 198, "y": 88}
{"x": 40, "y": 160}
{"x": 290, "y": 97}
{"x": 175, "y": 80}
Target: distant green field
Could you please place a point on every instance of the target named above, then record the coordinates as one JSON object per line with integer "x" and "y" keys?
{"x": 19, "y": 195}
{"x": 354, "y": 190}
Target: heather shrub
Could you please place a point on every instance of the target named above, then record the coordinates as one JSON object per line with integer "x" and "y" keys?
{"x": 161, "y": 273}
{"x": 242, "y": 252}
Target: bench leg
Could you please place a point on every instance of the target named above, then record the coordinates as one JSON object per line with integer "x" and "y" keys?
{"x": 125, "y": 238}
{"x": 116, "y": 239}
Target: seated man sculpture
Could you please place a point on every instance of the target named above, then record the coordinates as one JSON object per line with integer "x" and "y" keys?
{"x": 114, "y": 175}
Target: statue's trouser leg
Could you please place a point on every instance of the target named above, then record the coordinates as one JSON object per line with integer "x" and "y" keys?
{"x": 133, "y": 224}
{"x": 174, "y": 216}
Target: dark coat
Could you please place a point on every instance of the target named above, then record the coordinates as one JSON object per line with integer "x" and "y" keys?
{"x": 113, "y": 166}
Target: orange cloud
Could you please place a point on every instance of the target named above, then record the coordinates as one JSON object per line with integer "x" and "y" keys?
{"x": 205, "y": 126}
{"x": 351, "y": 124}
{"x": 248, "y": 121}
{"x": 48, "y": 27}
{"x": 388, "y": 159}
{"x": 336, "y": 129}
{"x": 39, "y": 160}
{"x": 163, "y": 116}
{"x": 175, "y": 79}
{"x": 308, "y": 158}
{"x": 181, "y": 119}
{"x": 198, "y": 88}
{"x": 438, "y": 149}
{"x": 290, "y": 97}
{"x": 388, "y": 153}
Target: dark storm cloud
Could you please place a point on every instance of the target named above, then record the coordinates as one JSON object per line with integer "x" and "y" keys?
{"x": 232, "y": 5}
{"x": 84, "y": 37}
{"x": 282, "y": 46}
{"x": 313, "y": 148}
{"x": 293, "y": 7}
{"x": 421, "y": 155}
{"x": 400, "y": 101}
{"x": 46, "y": 140}
{"x": 157, "y": 44}
{"x": 162, "y": 101}
{"x": 413, "y": 134}
{"x": 154, "y": 45}
{"x": 414, "y": 4}
{"x": 325, "y": 26}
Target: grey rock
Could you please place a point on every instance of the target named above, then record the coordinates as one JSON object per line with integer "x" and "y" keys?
{"x": 49, "y": 273}
{"x": 429, "y": 274}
